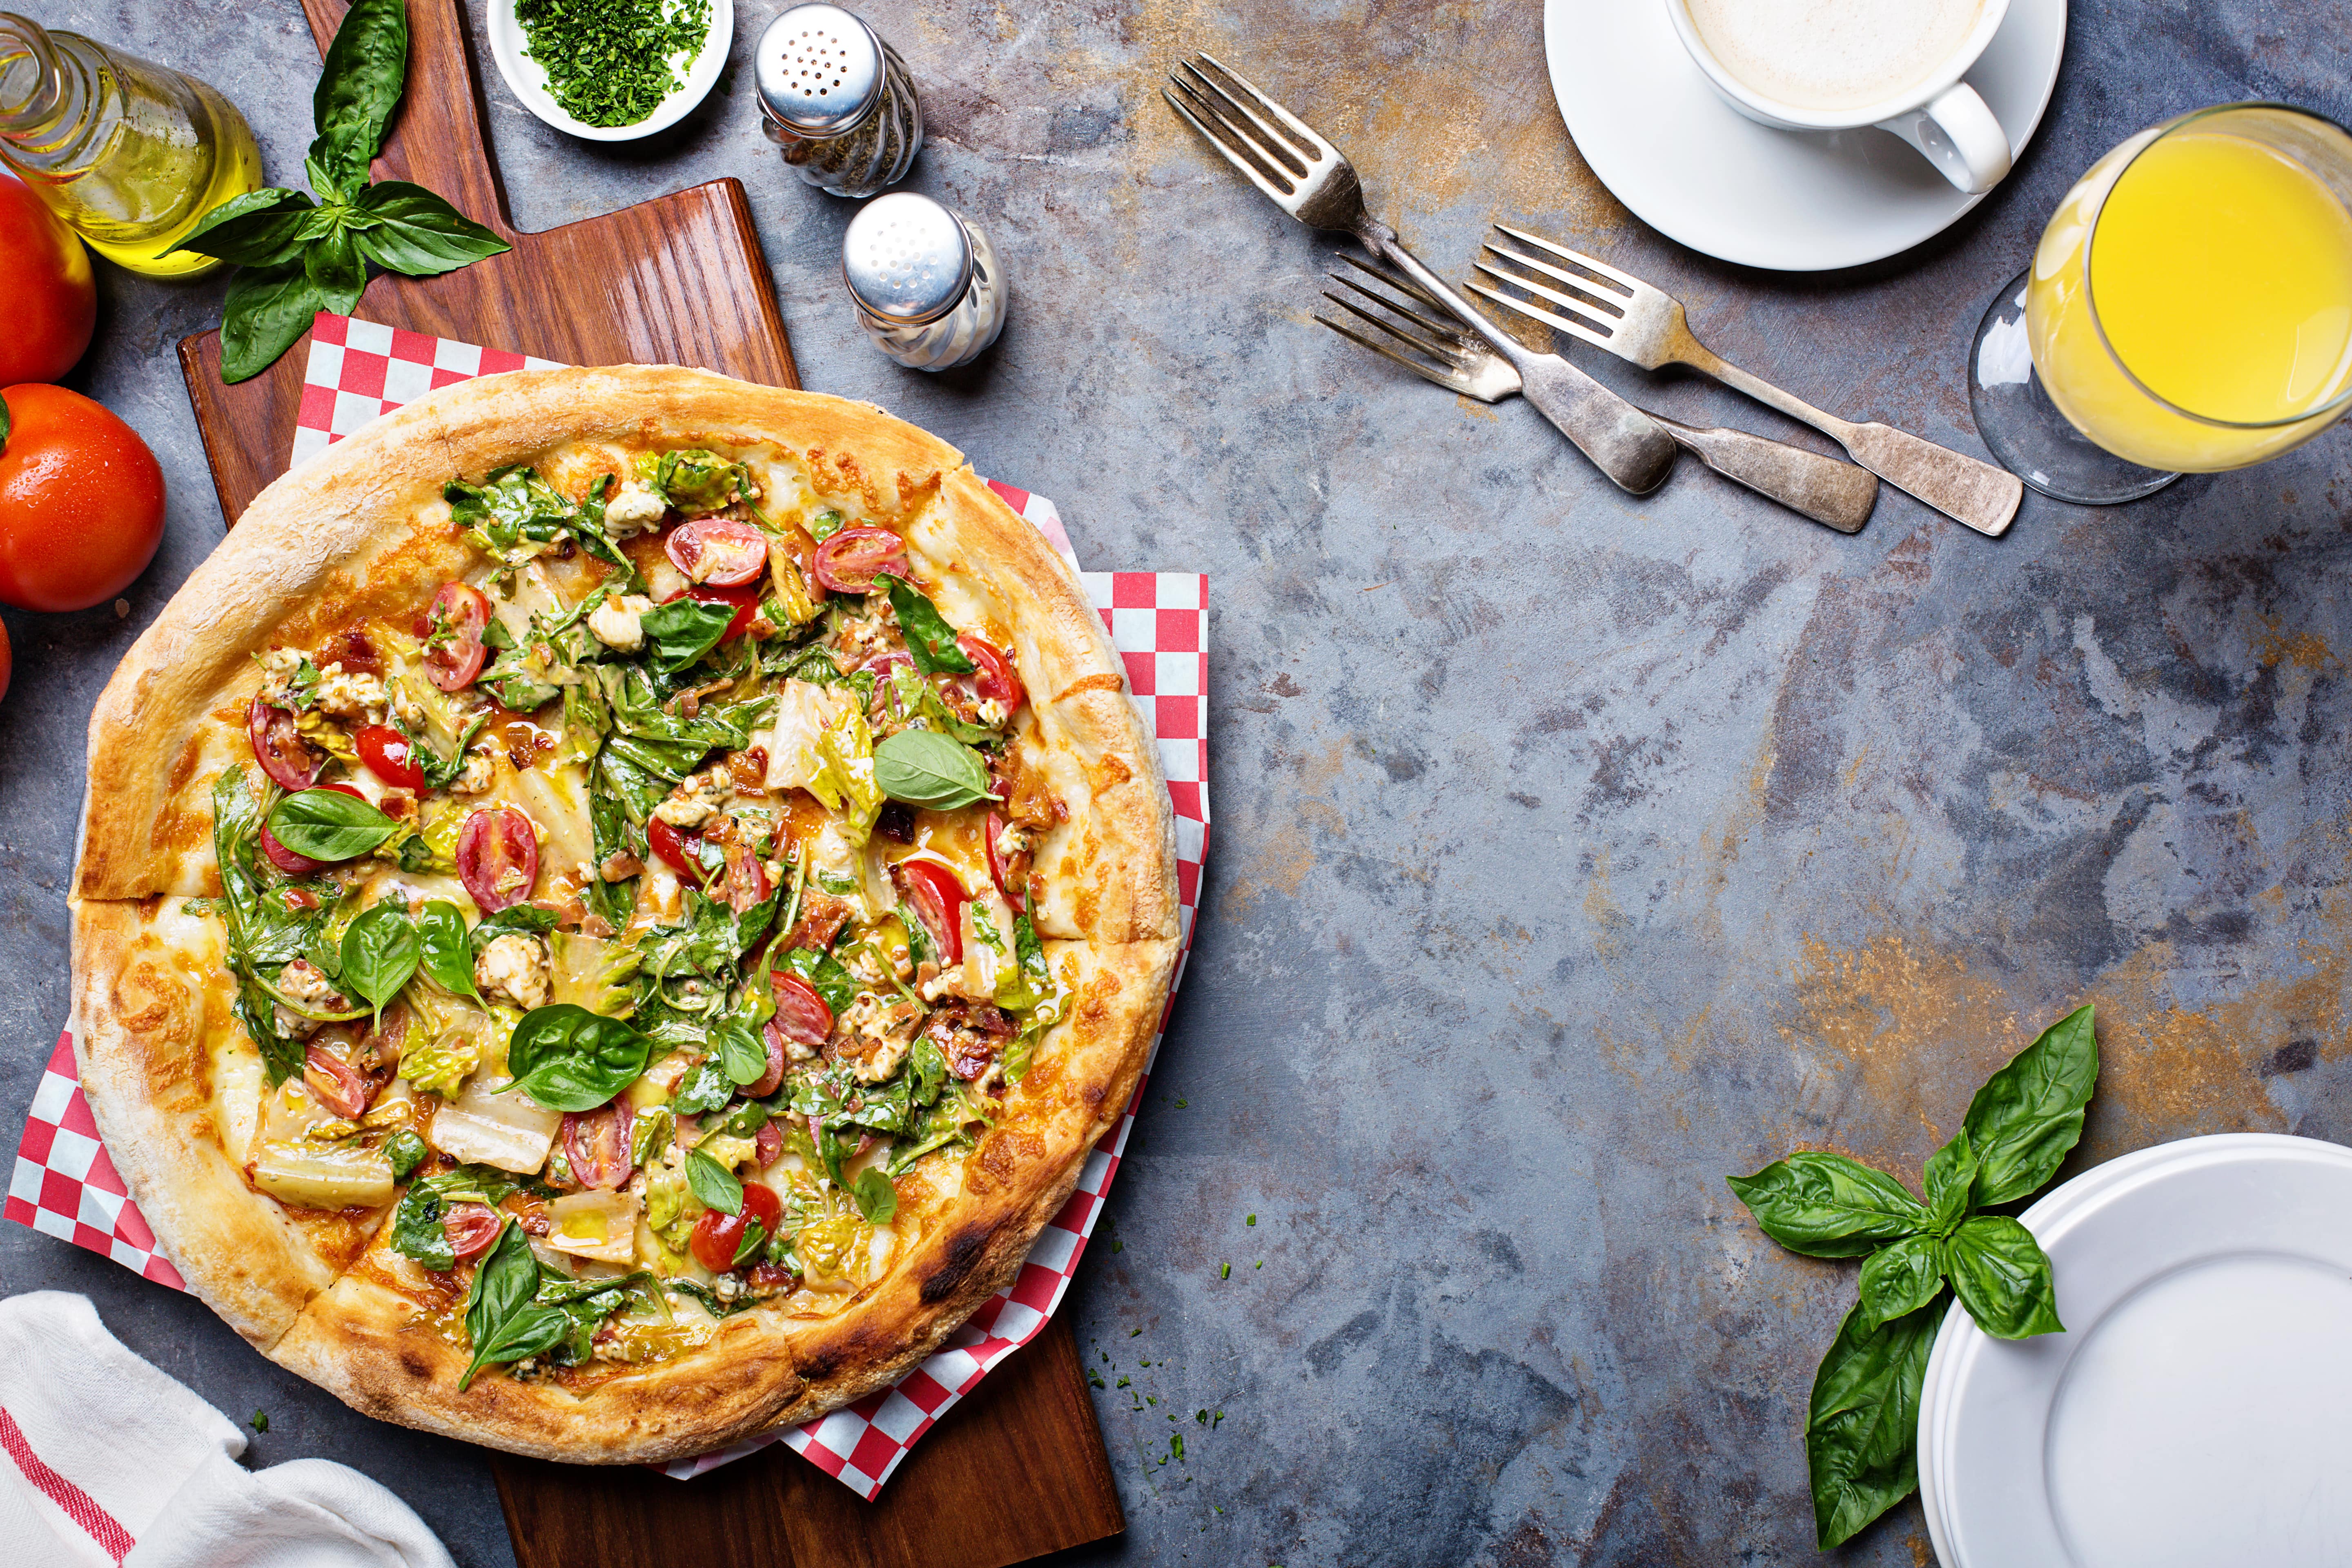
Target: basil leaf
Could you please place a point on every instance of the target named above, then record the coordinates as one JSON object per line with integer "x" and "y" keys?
{"x": 328, "y": 825}
{"x": 713, "y": 1183}
{"x": 531, "y": 1331}
{"x": 1861, "y": 1431}
{"x": 416, "y": 233}
{"x": 2028, "y": 1115}
{"x": 568, "y": 1059}
{"x": 359, "y": 84}
{"x": 923, "y": 767}
{"x": 336, "y": 270}
{"x": 503, "y": 1283}
{"x": 878, "y": 1200}
{"x": 755, "y": 1236}
{"x": 259, "y": 229}
{"x": 2002, "y": 1277}
{"x": 1901, "y": 1277}
{"x": 417, "y": 1231}
{"x": 1950, "y": 1173}
{"x": 1827, "y": 1205}
{"x": 825, "y": 975}
{"x": 930, "y": 641}
{"x": 267, "y": 309}
{"x": 705, "y": 1089}
{"x": 448, "y": 955}
{"x": 741, "y": 1050}
{"x": 381, "y": 948}
{"x": 683, "y": 630}
{"x": 406, "y": 1150}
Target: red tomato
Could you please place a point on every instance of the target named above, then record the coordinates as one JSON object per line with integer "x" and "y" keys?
{"x": 285, "y": 859}
{"x": 800, "y": 1014}
{"x": 81, "y": 499}
{"x": 937, "y": 899}
{"x": 681, "y": 852}
{"x": 850, "y": 561}
{"x": 717, "y": 1235}
{"x": 471, "y": 1227}
{"x": 596, "y": 1143}
{"x": 498, "y": 858}
{"x": 455, "y": 621}
{"x": 1011, "y": 880}
{"x": 52, "y": 298}
{"x": 767, "y": 1144}
{"x": 994, "y": 676}
{"x": 338, "y": 1085}
{"x": 772, "y": 1078}
{"x": 279, "y": 746}
{"x": 747, "y": 878}
{"x": 4, "y": 661}
{"x": 389, "y": 756}
{"x": 718, "y": 550}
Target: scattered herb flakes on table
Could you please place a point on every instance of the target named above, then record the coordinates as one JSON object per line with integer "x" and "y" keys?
{"x": 608, "y": 62}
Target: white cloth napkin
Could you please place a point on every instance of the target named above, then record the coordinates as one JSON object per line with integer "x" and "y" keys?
{"x": 104, "y": 1460}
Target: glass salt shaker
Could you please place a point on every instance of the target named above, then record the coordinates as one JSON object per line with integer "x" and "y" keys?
{"x": 838, "y": 100}
{"x": 925, "y": 282}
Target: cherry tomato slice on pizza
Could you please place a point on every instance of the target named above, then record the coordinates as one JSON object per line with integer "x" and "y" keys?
{"x": 455, "y": 622}
{"x": 800, "y": 1014}
{"x": 1010, "y": 879}
{"x": 336, "y": 1084}
{"x": 992, "y": 673}
{"x": 389, "y": 756}
{"x": 596, "y": 1144}
{"x": 471, "y": 1227}
{"x": 850, "y": 561}
{"x": 718, "y": 550}
{"x": 767, "y": 1144}
{"x": 279, "y": 746}
{"x": 498, "y": 858}
{"x": 938, "y": 901}
{"x": 772, "y": 1078}
{"x": 680, "y": 851}
{"x": 717, "y": 1235}
{"x": 747, "y": 878}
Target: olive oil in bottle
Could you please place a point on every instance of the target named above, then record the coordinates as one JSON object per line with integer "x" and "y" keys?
{"x": 130, "y": 153}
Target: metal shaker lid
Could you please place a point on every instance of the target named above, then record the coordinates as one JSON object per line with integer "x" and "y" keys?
{"x": 907, "y": 259}
{"x": 819, "y": 70}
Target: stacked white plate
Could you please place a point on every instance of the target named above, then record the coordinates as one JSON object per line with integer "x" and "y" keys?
{"x": 2198, "y": 1411}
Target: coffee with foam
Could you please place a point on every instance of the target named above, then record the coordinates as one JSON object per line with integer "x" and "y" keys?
{"x": 1829, "y": 55}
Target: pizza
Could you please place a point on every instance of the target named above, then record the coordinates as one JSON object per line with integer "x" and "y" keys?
{"x": 613, "y": 908}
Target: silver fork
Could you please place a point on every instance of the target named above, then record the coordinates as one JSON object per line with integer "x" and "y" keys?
{"x": 1312, "y": 181}
{"x": 1645, "y": 325}
{"x": 1832, "y": 493}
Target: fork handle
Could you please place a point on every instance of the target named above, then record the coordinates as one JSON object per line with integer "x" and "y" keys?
{"x": 1967, "y": 489}
{"x": 1623, "y": 443}
{"x": 1834, "y": 494}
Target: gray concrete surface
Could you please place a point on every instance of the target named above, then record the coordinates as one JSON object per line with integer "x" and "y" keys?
{"x": 1571, "y": 851}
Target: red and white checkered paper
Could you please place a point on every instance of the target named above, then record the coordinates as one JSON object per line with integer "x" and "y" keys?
{"x": 64, "y": 1185}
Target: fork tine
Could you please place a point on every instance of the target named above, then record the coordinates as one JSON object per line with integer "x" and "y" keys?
{"x": 1307, "y": 135}
{"x": 1584, "y": 285}
{"x": 1269, "y": 140}
{"x": 1426, "y": 371}
{"x": 1433, "y": 350}
{"x": 1546, "y": 317}
{"x": 1242, "y": 164}
{"x": 1577, "y": 307}
{"x": 1445, "y": 329}
{"x": 1396, "y": 281}
{"x": 1633, "y": 285}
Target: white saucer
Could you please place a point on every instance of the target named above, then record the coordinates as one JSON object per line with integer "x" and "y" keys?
{"x": 527, "y": 80}
{"x": 1698, "y": 172}
{"x": 2198, "y": 1411}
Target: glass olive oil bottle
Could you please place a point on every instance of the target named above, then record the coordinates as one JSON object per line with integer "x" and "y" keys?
{"x": 132, "y": 154}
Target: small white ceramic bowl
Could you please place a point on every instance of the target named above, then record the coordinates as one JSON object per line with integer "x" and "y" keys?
{"x": 527, "y": 80}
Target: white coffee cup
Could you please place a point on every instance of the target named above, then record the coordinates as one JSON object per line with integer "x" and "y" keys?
{"x": 1820, "y": 85}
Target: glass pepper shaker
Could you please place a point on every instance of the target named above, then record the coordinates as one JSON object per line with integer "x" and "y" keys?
{"x": 838, "y": 100}
{"x": 925, "y": 281}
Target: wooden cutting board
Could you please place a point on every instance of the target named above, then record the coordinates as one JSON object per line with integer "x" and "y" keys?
{"x": 1018, "y": 1470}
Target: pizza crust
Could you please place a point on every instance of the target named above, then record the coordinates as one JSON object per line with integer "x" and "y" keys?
{"x": 316, "y": 549}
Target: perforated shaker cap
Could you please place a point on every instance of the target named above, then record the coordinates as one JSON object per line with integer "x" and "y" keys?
{"x": 819, "y": 70}
{"x": 906, "y": 259}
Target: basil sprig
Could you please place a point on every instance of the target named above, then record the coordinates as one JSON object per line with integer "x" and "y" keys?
{"x": 713, "y": 1183}
{"x": 381, "y": 948}
{"x": 877, "y": 1199}
{"x": 568, "y": 1059}
{"x": 1861, "y": 1428}
{"x": 500, "y": 1320}
{"x": 930, "y": 641}
{"x": 328, "y": 825}
{"x": 447, "y": 958}
{"x": 923, "y": 767}
{"x": 298, "y": 256}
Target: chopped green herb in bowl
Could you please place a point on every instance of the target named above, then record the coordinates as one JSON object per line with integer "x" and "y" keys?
{"x": 610, "y": 70}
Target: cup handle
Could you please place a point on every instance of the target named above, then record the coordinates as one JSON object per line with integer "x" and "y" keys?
{"x": 1959, "y": 134}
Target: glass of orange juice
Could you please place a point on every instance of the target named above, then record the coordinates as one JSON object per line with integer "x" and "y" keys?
{"x": 2188, "y": 309}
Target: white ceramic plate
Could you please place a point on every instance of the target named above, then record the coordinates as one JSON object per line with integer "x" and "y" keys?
{"x": 2198, "y": 1411}
{"x": 1698, "y": 172}
{"x": 527, "y": 82}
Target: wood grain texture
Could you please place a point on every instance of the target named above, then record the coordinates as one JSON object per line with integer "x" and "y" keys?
{"x": 1011, "y": 1473}
{"x": 1018, "y": 1470}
